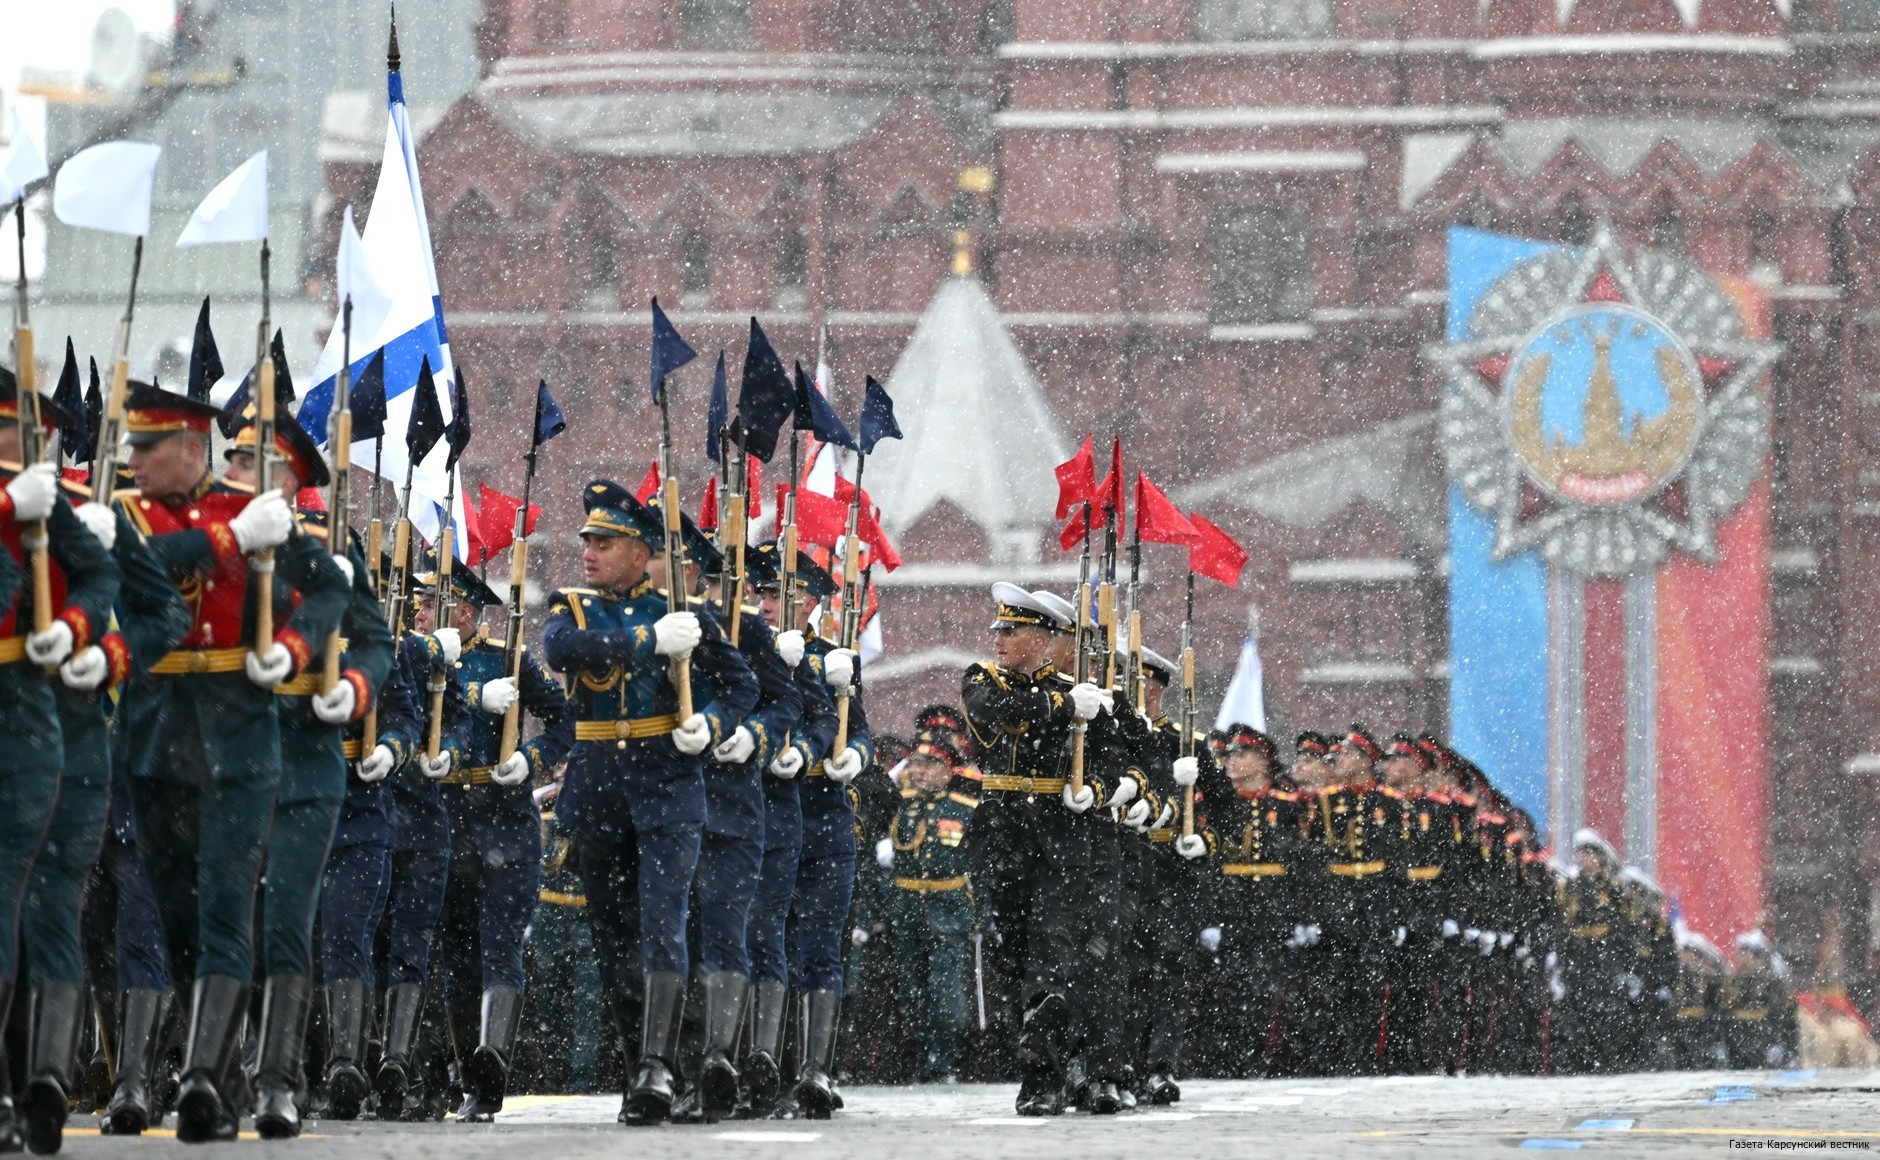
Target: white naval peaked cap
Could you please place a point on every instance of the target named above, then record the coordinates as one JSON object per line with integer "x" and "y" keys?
{"x": 1017, "y": 607}
{"x": 1589, "y": 837}
{"x": 1062, "y": 611}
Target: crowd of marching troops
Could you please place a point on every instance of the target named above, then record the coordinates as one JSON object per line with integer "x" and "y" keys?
{"x": 240, "y": 800}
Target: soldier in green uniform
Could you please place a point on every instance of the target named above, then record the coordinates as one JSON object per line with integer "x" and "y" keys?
{"x": 313, "y": 722}
{"x": 52, "y": 775}
{"x": 931, "y": 906}
{"x": 203, "y": 727}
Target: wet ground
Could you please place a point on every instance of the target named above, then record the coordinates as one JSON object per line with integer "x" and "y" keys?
{"x": 1665, "y": 1114}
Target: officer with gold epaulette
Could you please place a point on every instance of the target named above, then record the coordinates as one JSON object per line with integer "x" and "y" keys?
{"x": 69, "y": 832}
{"x": 204, "y": 726}
{"x": 313, "y": 720}
{"x": 496, "y": 848}
{"x": 808, "y": 744}
{"x": 931, "y": 905}
{"x": 731, "y": 850}
{"x": 634, "y": 794}
{"x": 1031, "y": 848}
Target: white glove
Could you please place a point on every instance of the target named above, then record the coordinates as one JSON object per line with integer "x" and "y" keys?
{"x": 100, "y": 521}
{"x": 858, "y": 936}
{"x": 86, "y": 670}
{"x": 1137, "y": 815}
{"x": 515, "y": 771}
{"x": 435, "y": 770}
{"x": 839, "y": 668}
{"x": 1211, "y": 939}
{"x": 450, "y": 643}
{"x": 1165, "y": 817}
{"x": 270, "y": 668}
{"x": 884, "y": 853}
{"x": 1077, "y": 803}
{"x": 1312, "y": 934}
{"x": 33, "y": 492}
{"x": 499, "y": 695}
{"x": 845, "y": 766}
{"x": 1087, "y": 700}
{"x": 693, "y": 734}
{"x": 788, "y": 764}
{"x": 1125, "y": 792}
{"x": 1298, "y": 939}
{"x": 336, "y": 707}
{"x": 676, "y": 634}
{"x": 264, "y": 523}
{"x": 1397, "y": 938}
{"x": 1191, "y": 846}
{"x": 1487, "y": 942}
{"x": 1187, "y": 771}
{"x": 1505, "y": 938}
{"x": 1471, "y": 935}
{"x": 344, "y": 564}
{"x": 1522, "y": 954}
{"x": 52, "y": 646}
{"x": 737, "y": 748}
{"x": 1450, "y": 929}
{"x": 375, "y": 765}
{"x": 790, "y": 648}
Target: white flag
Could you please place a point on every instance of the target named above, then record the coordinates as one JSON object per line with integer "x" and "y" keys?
{"x": 107, "y": 187}
{"x": 1245, "y": 703}
{"x": 359, "y": 279}
{"x": 235, "y": 210}
{"x": 26, "y": 161}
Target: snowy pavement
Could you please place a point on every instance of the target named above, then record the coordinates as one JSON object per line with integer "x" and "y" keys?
{"x": 1665, "y": 1114}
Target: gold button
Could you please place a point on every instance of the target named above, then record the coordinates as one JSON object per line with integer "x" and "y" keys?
{"x": 194, "y": 514}
{"x": 208, "y": 585}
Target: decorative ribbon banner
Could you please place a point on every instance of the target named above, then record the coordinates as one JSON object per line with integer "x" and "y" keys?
{"x": 1606, "y": 431}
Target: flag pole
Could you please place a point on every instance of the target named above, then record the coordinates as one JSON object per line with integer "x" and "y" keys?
{"x": 518, "y": 583}
{"x": 681, "y": 668}
{"x": 851, "y": 615}
{"x": 1080, "y": 650}
{"x": 1188, "y": 704}
{"x": 261, "y": 563}
{"x": 339, "y": 501}
{"x": 786, "y": 607}
{"x": 33, "y": 538}
{"x": 104, "y": 456}
{"x": 444, "y": 604}
{"x": 1132, "y": 676}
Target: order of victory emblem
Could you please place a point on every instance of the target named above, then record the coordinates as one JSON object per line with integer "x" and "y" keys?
{"x": 1605, "y": 408}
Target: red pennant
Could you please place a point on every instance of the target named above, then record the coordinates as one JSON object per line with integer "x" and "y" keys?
{"x": 1077, "y": 479}
{"x": 497, "y": 521}
{"x": 472, "y": 534}
{"x": 310, "y": 499}
{"x": 822, "y": 519}
{"x": 708, "y": 507}
{"x": 1215, "y": 555}
{"x": 648, "y": 485}
{"x": 1157, "y": 520}
{"x": 1109, "y": 492}
{"x": 755, "y": 468}
{"x": 1074, "y": 533}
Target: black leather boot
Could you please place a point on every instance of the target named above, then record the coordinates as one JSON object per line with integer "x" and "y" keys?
{"x": 99, "y": 1071}
{"x": 403, "y": 1004}
{"x": 763, "y": 1070}
{"x": 1041, "y": 1057}
{"x": 57, "y": 1008}
{"x": 348, "y": 1008}
{"x": 626, "y": 1009}
{"x": 687, "y": 1107}
{"x": 217, "y": 1010}
{"x": 724, "y": 1017}
{"x": 486, "y": 1068}
{"x": 285, "y": 1001}
{"x": 816, "y": 1087}
{"x": 649, "y": 1098}
{"x": 140, "y": 1029}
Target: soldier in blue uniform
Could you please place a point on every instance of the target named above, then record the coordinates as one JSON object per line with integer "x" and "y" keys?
{"x": 420, "y": 851}
{"x": 203, "y": 728}
{"x": 496, "y": 850}
{"x": 825, "y": 877}
{"x": 731, "y": 851}
{"x": 634, "y": 795}
{"x": 54, "y": 793}
{"x": 357, "y": 882}
{"x": 766, "y": 932}
{"x": 313, "y": 780}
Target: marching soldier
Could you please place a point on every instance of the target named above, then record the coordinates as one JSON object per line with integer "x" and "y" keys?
{"x": 57, "y": 762}
{"x": 634, "y": 794}
{"x": 1030, "y": 850}
{"x": 825, "y": 875}
{"x": 932, "y": 904}
{"x": 1360, "y": 902}
{"x": 1654, "y": 965}
{"x": 203, "y": 727}
{"x": 356, "y": 882}
{"x": 1760, "y": 1026}
{"x": 1595, "y": 955}
{"x": 808, "y": 745}
{"x": 313, "y": 780}
{"x": 496, "y": 850}
{"x": 1420, "y": 846}
{"x": 420, "y": 849}
{"x": 731, "y": 851}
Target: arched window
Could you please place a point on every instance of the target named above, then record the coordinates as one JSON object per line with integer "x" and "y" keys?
{"x": 695, "y": 258}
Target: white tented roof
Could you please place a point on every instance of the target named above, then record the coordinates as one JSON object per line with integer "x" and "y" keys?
{"x": 979, "y": 432}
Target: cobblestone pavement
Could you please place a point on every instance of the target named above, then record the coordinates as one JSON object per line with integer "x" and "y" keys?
{"x": 1665, "y": 1114}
